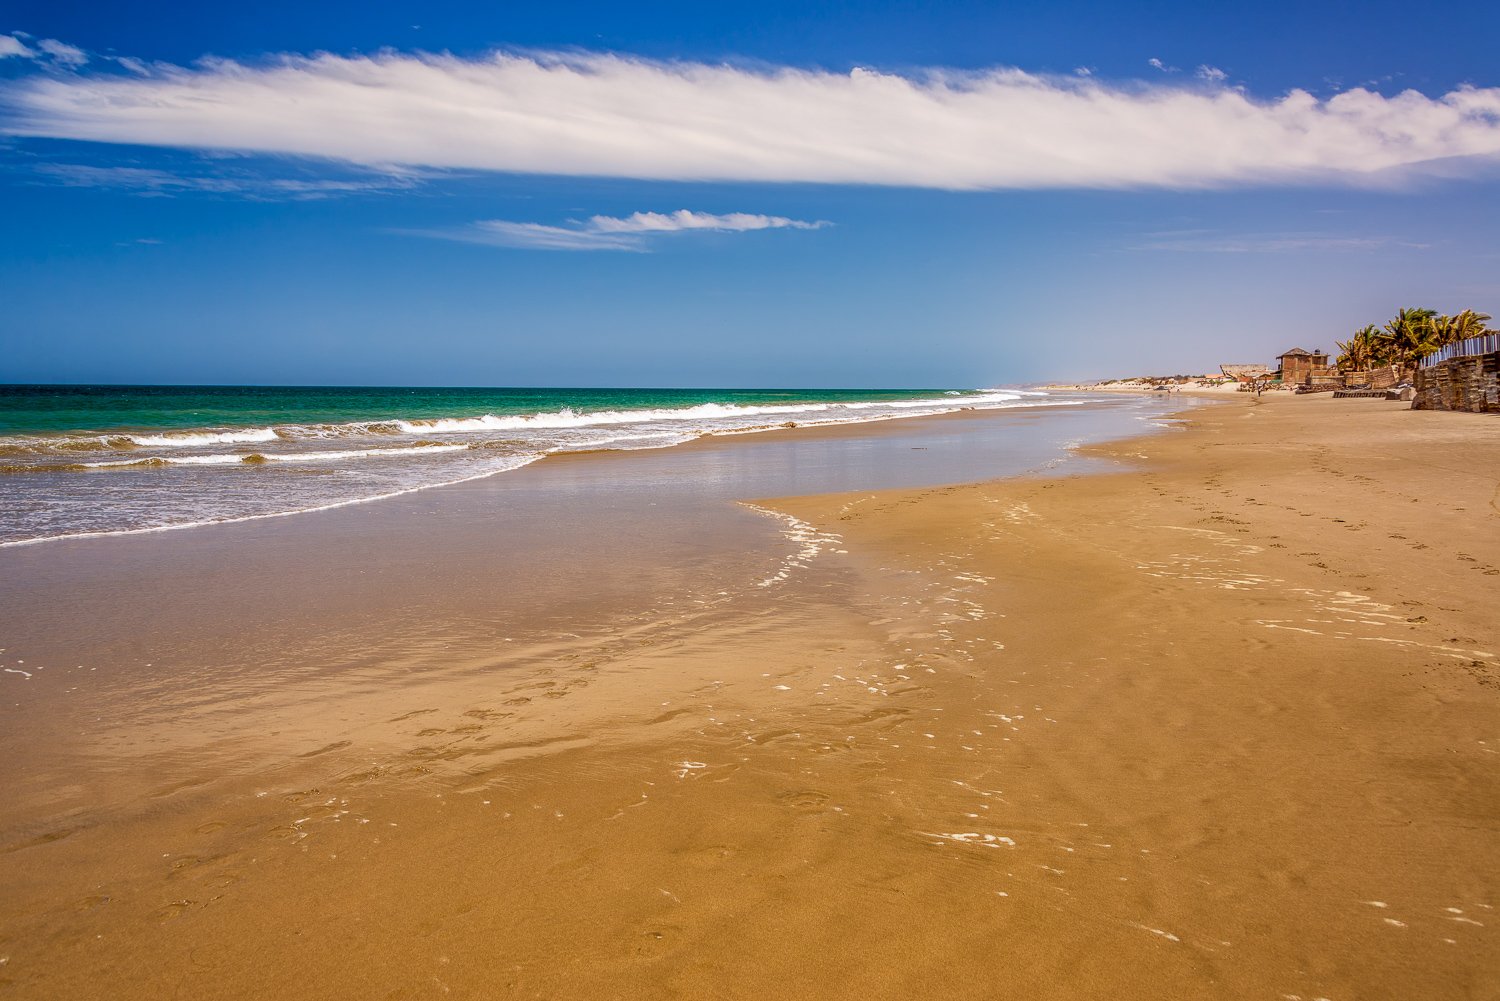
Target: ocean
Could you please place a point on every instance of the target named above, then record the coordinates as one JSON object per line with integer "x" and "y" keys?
{"x": 91, "y": 460}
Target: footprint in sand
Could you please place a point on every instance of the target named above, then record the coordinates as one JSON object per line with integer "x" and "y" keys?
{"x": 337, "y": 745}
{"x": 224, "y": 880}
{"x": 41, "y": 839}
{"x": 487, "y": 714}
{"x": 414, "y": 712}
{"x": 172, "y": 909}
{"x": 808, "y": 800}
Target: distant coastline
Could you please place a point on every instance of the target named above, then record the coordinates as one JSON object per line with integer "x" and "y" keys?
{"x": 1192, "y": 385}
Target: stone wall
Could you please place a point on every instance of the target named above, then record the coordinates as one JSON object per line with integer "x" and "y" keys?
{"x": 1470, "y": 383}
{"x": 1383, "y": 378}
{"x": 1372, "y": 378}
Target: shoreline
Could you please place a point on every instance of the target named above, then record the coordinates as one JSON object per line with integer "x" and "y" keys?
{"x": 1171, "y": 731}
{"x": 444, "y": 583}
{"x": 854, "y": 426}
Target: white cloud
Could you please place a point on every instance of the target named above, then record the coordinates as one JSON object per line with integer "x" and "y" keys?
{"x": 608, "y": 115}
{"x": 68, "y": 55}
{"x": 1212, "y": 74}
{"x": 685, "y": 219}
{"x": 10, "y": 45}
{"x": 602, "y": 232}
{"x": 1157, "y": 64}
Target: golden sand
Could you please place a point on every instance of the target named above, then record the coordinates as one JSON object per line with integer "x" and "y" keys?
{"x": 1224, "y": 724}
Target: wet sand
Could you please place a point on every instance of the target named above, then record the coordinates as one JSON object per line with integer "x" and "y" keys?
{"x": 1224, "y": 724}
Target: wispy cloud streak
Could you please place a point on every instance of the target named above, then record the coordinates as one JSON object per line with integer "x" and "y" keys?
{"x": 10, "y": 45}
{"x": 1203, "y": 242}
{"x": 67, "y": 55}
{"x": 685, "y": 220}
{"x": 612, "y": 115}
{"x": 602, "y": 232}
{"x": 152, "y": 182}
{"x": 47, "y": 50}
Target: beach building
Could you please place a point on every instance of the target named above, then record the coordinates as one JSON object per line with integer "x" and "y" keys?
{"x": 1298, "y": 367}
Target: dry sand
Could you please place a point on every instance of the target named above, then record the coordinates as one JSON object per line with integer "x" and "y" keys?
{"x": 1223, "y": 726}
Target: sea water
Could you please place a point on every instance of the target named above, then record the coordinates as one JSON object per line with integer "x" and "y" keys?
{"x": 90, "y": 460}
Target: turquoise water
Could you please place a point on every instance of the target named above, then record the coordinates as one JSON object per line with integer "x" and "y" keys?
{"x": 89, "y": 460}
{"x": 30, "y": 410}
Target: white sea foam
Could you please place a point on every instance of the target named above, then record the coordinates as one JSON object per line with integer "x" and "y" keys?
{"x": 231, "y": 458}
{"x": 162, "y": 460}
{"x": 569, "y": 418}
{"x": 187, "y": 439}
{"x": 809, "y": 542}
{"x": 973, "y": 838}
{"x": 356, "y": 453}
{"x": 515, "y": 463}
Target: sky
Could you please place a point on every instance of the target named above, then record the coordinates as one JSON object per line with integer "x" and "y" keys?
{"x": 738, "y": 195}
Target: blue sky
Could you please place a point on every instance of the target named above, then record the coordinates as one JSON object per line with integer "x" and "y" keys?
{"x": 799, "y": 195}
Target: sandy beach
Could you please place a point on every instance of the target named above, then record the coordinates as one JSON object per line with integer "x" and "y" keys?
{"x": 1215, "y": 714}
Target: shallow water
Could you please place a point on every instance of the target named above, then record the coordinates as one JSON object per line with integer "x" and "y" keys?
{"x": 568, "y": 540}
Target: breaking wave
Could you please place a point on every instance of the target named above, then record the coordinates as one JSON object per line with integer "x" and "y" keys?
{"x": 556, "y": 420}
{"x": 255, "y": 458}
{"x": 187, "y": 439}
{"x": 569, "y": 418}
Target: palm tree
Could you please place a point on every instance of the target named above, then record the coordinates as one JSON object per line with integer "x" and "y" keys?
{"x": 1472, "y": 324}
{"x": 1452, "y": 329}
{"x": 1360, "y": 352}
{"x": 1410, "y": 337}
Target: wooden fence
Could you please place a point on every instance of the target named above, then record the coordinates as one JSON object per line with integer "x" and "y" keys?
{"x": 1482, "y": 345}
